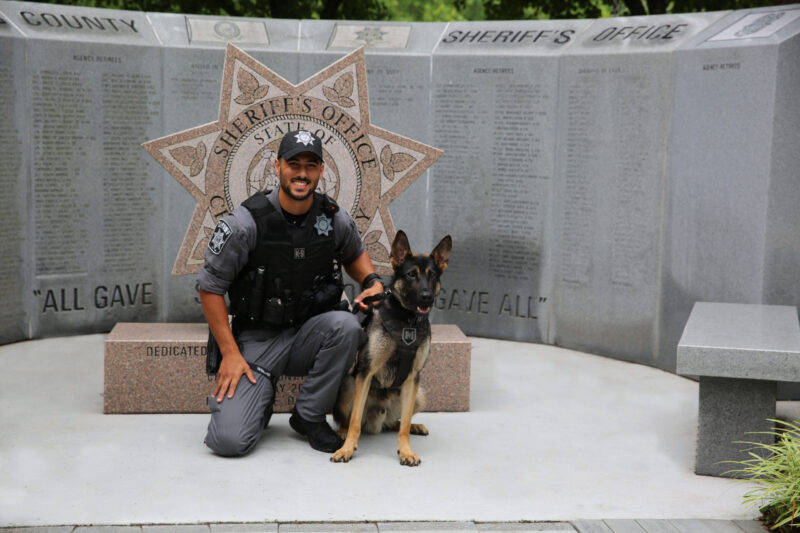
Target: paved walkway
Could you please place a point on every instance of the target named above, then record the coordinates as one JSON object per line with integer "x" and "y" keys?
{"x": 553, "y": 436}
{"x": 579, "y": 526}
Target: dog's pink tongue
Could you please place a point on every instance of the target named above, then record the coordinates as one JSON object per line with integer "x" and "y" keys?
{"x": 423, "y": 310}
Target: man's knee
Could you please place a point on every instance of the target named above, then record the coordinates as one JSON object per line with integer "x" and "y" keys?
{"x": 229, "y": 444}
{"x": 344, "y": 326}
{"x": 343, "y": 335}
{"x": 228, "y": 436}
{"x": 346, "y": 320}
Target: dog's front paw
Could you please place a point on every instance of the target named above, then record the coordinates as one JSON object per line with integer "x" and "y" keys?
{"x": 409, "y": 458}
{"x": 419, "y": 429}
{"x": 342, "y": 455}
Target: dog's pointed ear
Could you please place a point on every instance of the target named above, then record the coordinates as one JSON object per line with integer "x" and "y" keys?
{"x": 441, "y": 254}
{"x": 400, "y": 249}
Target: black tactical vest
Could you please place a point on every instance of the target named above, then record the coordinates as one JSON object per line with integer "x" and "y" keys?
{"x": 291, "y": 275}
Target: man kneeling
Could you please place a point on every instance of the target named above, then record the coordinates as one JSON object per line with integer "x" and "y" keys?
{"x": 278, "y": 258}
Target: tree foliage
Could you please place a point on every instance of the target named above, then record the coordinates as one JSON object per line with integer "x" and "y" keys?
{"x": 424, "y": 10}
{"x": 295, "y": 9}
{"x": 568, "y": 9}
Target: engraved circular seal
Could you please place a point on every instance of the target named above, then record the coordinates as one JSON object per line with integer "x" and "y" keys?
{"x": 242, "y": 159}
{"x": 227, "y": 29}
{"x": 257, "y": 149}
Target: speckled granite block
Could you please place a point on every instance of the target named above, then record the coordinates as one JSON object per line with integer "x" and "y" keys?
{"x": 155, "y": 368}
{"x": 445, "y": 377}
{"x": 739, "y": 352}
{"x": 160, "y": 368}
{"x": 731, "y": 411}
{"x": 741, "y": 341}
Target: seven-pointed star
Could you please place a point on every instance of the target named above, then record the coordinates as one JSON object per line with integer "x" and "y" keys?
{"x": 237, "y": 152}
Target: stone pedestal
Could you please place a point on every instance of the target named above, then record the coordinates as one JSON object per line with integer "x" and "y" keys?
{"x": 739, "y": 352}
{"x": 160, "y": 368}
{"x": 732, "y": 411}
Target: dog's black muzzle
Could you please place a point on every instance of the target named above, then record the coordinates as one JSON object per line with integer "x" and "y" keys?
{"x": 425, "y": 298}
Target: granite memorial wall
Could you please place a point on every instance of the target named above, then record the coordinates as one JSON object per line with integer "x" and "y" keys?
{"x": 732, "y": 232}
{"x": 494, "y": 95}
{"x": 614, "y": 116}
{"x": 88, "y": 82}
{"x": 15, "y": 314}
{"x": 599, "y": 176}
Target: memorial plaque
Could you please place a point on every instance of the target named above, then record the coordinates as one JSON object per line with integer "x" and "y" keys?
{"x": 613, "y": 125}
{"x": 495, "y": 89}
{"x": 224, "y": 162}
{"x": 94, "y": 227}
{"x": 398, "y": 73}
{"x": 759, "y": 24}
{"x": 15, "y": 312}
{"x": 192, "y": 80}
{"x": 732, "y": 227}
{"x": 222, "y": 30}
{"x": 370, "y": 35}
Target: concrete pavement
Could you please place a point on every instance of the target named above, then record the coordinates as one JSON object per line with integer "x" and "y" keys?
{"x": 552, "y": 435}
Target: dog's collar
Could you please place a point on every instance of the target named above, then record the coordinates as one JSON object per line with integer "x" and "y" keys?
{"x": 408, "y": 332}
{"x": 397, "y": 312}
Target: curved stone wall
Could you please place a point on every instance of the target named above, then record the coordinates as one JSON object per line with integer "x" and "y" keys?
{"x": 599, "y": 176}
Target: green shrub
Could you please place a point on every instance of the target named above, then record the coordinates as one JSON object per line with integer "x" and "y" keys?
{"x": 776, "y": 470}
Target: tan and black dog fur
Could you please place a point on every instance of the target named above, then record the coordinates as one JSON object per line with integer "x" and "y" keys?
{"x": 384, "y": 392}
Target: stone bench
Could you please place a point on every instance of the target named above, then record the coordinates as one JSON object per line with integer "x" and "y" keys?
{"x": 739, "y": 352}
{"x": 160, "y": 368}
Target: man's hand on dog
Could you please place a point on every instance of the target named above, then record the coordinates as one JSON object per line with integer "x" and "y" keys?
{"x": 374, "y": 290}
{"x": 231, "y": 370}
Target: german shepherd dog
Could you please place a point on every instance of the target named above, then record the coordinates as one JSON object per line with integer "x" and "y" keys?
{"x": 383, "y": 391}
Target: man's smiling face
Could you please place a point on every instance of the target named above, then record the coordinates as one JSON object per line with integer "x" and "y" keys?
{"x": 299, "y": 175}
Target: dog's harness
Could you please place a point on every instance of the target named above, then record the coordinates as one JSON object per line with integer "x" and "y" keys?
{"x": 408, "y": 333}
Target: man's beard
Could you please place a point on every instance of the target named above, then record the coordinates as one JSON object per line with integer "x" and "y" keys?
{"x": 287, "y": 189}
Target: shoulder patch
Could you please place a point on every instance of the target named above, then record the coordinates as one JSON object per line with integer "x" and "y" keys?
{"x": 221, "y": 235}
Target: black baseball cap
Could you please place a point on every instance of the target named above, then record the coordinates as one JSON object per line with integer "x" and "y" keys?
{"x": 299, "y": 141}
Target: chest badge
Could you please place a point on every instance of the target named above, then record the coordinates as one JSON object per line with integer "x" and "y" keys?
{"x": 323, "y": 225}
{"x": 409, "y": 336}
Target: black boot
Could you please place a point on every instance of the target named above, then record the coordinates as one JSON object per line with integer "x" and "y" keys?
{"x": 320, "y": 435}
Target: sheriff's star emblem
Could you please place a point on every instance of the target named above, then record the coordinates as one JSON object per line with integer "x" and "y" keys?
{"x": 323, "y": 225}
{"x": 223, "y": 163}
{"x": 304, "y": 138}
{"x": 219, "y": 237}
{"x": 370, "y": 34}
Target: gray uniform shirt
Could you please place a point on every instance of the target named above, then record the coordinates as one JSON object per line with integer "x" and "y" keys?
{"x": 236, "y": 236}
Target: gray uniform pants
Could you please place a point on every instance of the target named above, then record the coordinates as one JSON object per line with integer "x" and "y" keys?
{"x": 323, "y": 349}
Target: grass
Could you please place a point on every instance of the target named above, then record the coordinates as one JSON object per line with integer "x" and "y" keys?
{"x": 775, "y": 468}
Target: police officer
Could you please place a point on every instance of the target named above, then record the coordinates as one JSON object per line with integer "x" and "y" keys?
{"x": 278, "y": 257}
